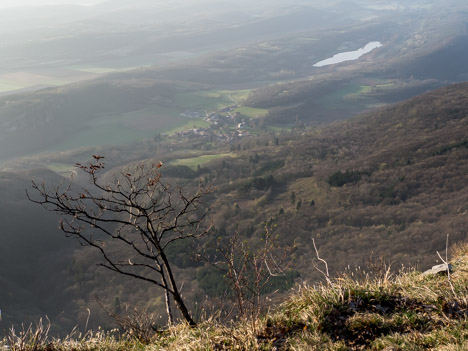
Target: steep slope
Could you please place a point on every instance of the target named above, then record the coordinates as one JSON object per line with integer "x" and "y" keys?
{"x": 34, "y": 255}
{"x": 391, "y": 184}
{"x": 406, "y": 311}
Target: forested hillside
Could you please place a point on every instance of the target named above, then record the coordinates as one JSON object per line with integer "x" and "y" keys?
{"x": 392, "y": 182}
{"x": 389, "y": 184}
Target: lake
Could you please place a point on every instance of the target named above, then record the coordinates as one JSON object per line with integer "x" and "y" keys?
{"x": 349, "y": 55}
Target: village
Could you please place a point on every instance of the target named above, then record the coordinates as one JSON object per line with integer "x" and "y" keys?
{"x": 226, "y": 124}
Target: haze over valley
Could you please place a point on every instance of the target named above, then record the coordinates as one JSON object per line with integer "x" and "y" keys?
{"x": 344, "y": 121}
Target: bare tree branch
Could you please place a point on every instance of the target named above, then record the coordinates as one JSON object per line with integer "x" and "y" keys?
{"x": 135, "y": 214}
{"x": 446, "y": 262}
{"x": 248, "y": 269}
{"x": 326, "y": 273}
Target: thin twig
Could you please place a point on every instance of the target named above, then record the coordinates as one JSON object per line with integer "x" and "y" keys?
{"x": 321, "y": 259}
{"x": 449, "y": 278}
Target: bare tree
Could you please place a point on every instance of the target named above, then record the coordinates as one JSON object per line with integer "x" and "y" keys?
{"x": 249, "y": 270}
{"x": 130, "y": 220}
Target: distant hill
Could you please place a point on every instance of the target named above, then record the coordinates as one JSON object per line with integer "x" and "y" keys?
{"x": 276, "y": 75}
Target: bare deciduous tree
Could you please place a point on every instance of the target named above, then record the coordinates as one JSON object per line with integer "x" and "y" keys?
{"x": 131, "y": 221}
{"x": 249, "y": 270}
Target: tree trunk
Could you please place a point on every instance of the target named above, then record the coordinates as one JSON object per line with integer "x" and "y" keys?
{"x": 175, "y": 291}
{"x": 183, "y": 309}
{"x": 170, "y": 318}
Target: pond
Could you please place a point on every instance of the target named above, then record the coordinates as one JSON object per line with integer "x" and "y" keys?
{"x": 349, "y": 55}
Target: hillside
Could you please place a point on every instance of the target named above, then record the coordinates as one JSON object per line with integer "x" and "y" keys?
{"x": 33, "y": 254}
{"x": 392, "y": 182}
{"x": 388, "y": 184}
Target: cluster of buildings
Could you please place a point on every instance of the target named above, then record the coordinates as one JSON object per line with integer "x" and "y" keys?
{"x": 229, "y": 117}
{"x": 226, "y": 124}
{"x": 212, "y": 134}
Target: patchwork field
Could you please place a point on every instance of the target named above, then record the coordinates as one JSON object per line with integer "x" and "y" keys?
{"x": 193, "y": 162}
{"x": 251, "y": 111}
{"x": 12, "y": 81}
{"x": 177, "y": 110}
{"x": 29, "y": 79}
{"x": 22, "y": 80}
{"x": 209, "y": 100}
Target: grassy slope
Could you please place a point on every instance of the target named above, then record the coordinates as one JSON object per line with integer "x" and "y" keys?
{"x": 193, "y": 162}
{"x": 408, "y": 311}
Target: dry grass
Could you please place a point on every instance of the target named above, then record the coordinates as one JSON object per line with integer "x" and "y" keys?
{"x": 409, "y": 311}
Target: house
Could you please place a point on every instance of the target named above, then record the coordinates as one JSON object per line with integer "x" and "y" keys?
{"x": 241, "y": 125}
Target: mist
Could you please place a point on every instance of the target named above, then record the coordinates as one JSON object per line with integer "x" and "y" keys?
{"x": 41, "y": 37}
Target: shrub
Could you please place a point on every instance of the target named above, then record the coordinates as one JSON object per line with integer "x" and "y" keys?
{"x": 338, "y": 179}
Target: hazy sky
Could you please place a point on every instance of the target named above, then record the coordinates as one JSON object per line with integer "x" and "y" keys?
{"x": 22, "y": 3}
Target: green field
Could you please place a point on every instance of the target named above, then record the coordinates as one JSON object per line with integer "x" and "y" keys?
{"x": 251, "y": 111}
{"x": 384, "y": 86}
{"x": 189, "y": 123}
{"x": 238, "y": 95}
{"x": 364, "y": 89}
{"x": 193, "y": 162}
{"x": 280, "y": 127}
{"x": 202, "y": 101}
{"x": 123, "y": 129}
{"x": 154, "y": 117}
{"x": 6, "y": 85}
{"x": 349, "y": 92}
{"x": 126, "y": 128}
{"x": 130, "y": 127}
{"x": 209, "y": 100}
{"x": 10, "y": 86}
{"x": 25, "y": 79}
{"x": 22, "y": 80}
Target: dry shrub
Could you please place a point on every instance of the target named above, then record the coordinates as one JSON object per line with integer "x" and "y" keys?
{"x": 33, "y": 338}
